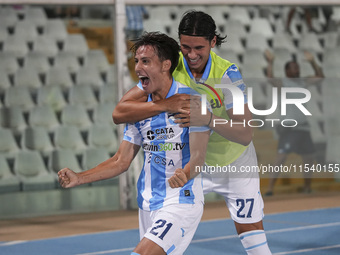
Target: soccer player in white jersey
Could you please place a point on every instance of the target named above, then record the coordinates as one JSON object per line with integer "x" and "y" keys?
{"x": 230, "y": 146}
{"x": 168, "y": 217}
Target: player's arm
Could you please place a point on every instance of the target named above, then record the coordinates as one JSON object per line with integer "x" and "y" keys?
{"x": 236, "y": 129}
{"x": 110, "y": 168}
{"x": 269, "y": 70}
{"x": 198, "y": 146}
{"x": 318, "y": 73}
{"x": 134, "y": 107}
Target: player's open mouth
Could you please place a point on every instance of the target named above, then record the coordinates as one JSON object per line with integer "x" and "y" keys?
{"x": 193, "y": 61}
{"x": 144, "y": 80}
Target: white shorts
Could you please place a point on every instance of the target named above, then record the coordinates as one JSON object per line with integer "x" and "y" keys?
{"x": 241, "y": 190}
{"x": 171, "y": 227}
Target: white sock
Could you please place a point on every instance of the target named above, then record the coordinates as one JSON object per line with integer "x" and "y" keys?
{"x": 255, "y": 242}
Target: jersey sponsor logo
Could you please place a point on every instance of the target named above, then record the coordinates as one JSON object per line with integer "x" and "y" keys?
{"x": 215, "y": 104}
{"x": 161, "y": 134}
{"x": 163, "y": 146}
{"x": 160, "y": 160}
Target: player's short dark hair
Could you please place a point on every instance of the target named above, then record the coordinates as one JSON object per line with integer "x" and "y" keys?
{"x": 165, "y": 47}
{"x": 197, "y": 23}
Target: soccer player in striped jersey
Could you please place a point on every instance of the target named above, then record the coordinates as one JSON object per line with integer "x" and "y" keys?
{"x": 168, "y": 217}
{"x": 230, "y": 146}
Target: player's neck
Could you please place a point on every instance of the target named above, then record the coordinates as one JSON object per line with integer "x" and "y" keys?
{"x": 163, "y": 91}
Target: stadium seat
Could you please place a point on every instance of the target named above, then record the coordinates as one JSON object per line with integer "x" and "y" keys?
{"x": 108, "y": 94}
{"x": 254, "y": 56}
{"x": 261, "y": 26}
{"x": 13, "y": 118}
{"x": 332, "y": 40}
{"x": 89, "y": 75}
{"x": 234, "y": 28}
{"x": 241, "y": 14}
{"x": 59, "y": 76}
{"x": 8, "y": 17}
{"x": 8, "y": 181}
{"x": 26, "y": 30}
{"x": 55, "y": 29}
{"x": 16, "y": 46}
{"x": 310, "y": 42}
{"x": 4, "y": 80}
{"x": 45, "y": 46}
{"x": 331, "y": 57}
{"x": 102, "y": 113}
{"x": 256, "y": 41}
{"x": 284, "y": 41}
{"x": 36, "y": 15}
{"x": 234, "y": 43}
{"x": 111, "y": 76}
{"x": 219, "y": 12}
{"x": 69, "y": 137}
{"x": 103, "y": 136}
{"x": 43, "y": 116}
{"x": 19, "y": 96}
{"x": 97, "y": 59}
{"x": 76, "y": 115}
{"x": 8, "y": 145}
{"x": 82, "y": 95}
{"x": 67, "y": 60}
{"x": 31, "y": 170}
{"x": 229, "y": 55}
{"x": 8, "y": 63}
{"x": 36, "y": 138}
{"x": 37, "y": 62}
{"x": 51, "y": 96}
{"x": 3, "y": 34}
{"x": 76, "y": 44}
{"x": 28, "y": 77}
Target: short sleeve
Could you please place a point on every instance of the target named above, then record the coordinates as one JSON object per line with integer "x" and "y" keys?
{"x": 132, "y": 134}
{"x": 234, "y": 77}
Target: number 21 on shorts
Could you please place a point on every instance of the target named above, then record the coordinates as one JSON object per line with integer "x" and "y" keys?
{"x": 242, "y": 203}
{"x": 158, "y": 230}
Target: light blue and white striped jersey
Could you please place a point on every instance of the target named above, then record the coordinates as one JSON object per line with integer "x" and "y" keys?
{"x": 166, "y": 148}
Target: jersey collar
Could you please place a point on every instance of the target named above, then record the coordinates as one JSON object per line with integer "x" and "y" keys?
{"x": 171, "y": 92}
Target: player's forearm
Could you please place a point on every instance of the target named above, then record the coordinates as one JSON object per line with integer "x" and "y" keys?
{"x": 198, "y": 148}
{"x": 133, "y": 111}
{"x": 108, "y": 169}
{"x": 317, "y": 69}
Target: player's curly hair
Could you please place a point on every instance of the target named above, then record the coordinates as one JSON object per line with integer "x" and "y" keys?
{"x": 165, "y": 47}
{"x": 197, "y": 23}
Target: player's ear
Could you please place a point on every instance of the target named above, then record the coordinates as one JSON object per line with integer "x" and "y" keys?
{"x": 166, "y": 65}
{"x": 213, "y": 42}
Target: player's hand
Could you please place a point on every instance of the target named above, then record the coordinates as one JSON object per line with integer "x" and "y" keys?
{"x": 308, "y": 56}
{"x": 179, "y": 179}
{"x": 68, "y": 178}
{"x": 178, "y": 103}
{"x": 195, "y": 108}
{"x": 269, "y": 56}
{"x": 196, "y": 117}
